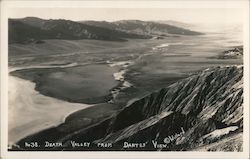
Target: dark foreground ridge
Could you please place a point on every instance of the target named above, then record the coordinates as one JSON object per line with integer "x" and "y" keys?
{"x": 203, "y": 112}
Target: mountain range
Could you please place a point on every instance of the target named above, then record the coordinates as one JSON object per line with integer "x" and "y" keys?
{"x": 32, "y": 29}
{"x": 161, "y": 28}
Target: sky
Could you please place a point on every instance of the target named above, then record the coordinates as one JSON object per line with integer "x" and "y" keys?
{"x": 188, "y": 15}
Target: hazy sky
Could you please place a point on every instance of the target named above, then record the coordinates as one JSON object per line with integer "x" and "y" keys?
{"x": 190, "y": 15}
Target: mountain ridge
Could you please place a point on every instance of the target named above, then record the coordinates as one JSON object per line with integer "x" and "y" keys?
{"x": 25, "y": 31}
{"x": 145, "y": 27}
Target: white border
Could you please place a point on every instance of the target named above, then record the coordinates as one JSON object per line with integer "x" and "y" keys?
{"x": 5, "y": 5}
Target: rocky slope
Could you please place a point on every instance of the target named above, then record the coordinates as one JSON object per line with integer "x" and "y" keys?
{"x": 203, "y": 112}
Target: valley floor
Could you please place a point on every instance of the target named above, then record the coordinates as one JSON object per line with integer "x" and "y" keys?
{"x": 31, "y": 112}
{"x": 92, "y": 80}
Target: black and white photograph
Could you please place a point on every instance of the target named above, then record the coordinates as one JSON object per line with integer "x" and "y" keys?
{"x": 127, "y": 78}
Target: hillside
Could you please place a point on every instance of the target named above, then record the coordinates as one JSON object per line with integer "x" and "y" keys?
{"x": 203, "y": 112}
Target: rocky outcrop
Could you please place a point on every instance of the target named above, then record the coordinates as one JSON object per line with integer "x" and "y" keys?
{"x": 232, "y": 53}
{"x": 191, "y": 114}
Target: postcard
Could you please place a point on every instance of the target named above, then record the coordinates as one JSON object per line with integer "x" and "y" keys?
{"x": 124, "y": 79}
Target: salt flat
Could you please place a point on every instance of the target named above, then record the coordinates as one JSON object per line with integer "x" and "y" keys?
{"x": 30, "y": 112}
